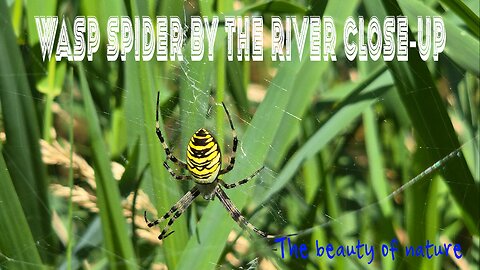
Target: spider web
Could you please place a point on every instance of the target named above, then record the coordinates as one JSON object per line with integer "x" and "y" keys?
{"x": 350, "y": 167}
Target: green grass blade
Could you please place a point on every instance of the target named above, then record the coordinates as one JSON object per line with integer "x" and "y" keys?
{"x": 38, "y": 8}
{"x": 22, "y": 150}
{"x": 432, "y": 220}
{"x": 90, "y": 240}
{"x": 70, "y": 175}
{"x": 17, "y": 247}
{"x": 254, "y": 145}
{"x": 118, "y": 247}
{"x": 347, "y": 111}
{"x": 461, "y": 46}
{"x": 430, "y": 119}
{"x": 195, "y": 85}
{"x": 306, "y": 84}
{"x": 165, "y": 190}
{"x": 51, "y": 85}
{"x": 140, "y": 105}
{"x": 274, "y": 6}
{"x": 376, "y": 162}
{"x": 237, "y": 87}
{"x": 467, "y": 15}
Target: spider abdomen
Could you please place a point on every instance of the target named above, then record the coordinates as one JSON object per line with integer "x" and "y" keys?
{"x": 203, "y": 157}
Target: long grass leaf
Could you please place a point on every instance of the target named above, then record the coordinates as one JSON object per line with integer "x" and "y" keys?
{"x": 90, "y": 240}
{"x": 21, "y": 150}
{"x": 253, "y": 147}
{"x": 38, "y": 8}
{"x": 17, "y": 247}
{"x": 430, "y": 119}
{"x": 144, "y": 83}
{"x": 467, "y": 15}
{"x": 376, "y": 162}
{"x": 306, "y": 84}
{"x": 70, "y": 176}
{"x": 117, "y": 243}
{"x": 460, "y": 46}
{"x": 347, "y": 111}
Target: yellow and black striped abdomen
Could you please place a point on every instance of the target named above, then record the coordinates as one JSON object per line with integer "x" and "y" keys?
{"x": 203, "y": 157}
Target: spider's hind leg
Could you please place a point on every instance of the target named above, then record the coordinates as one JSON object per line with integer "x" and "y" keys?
{"x": 176, "y": 210}
{"x": 237, "y": 216}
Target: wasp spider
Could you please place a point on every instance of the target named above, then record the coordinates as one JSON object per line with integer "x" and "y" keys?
{"x": 204, "y": 161}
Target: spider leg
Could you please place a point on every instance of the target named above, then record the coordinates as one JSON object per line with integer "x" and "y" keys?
{"x": 236, "y": 215}
{"x": 162, "y": 140}
{"x": 174, "y": 175}
{"x": 241, "y": 182}
{"x": 180, "y": 206}
{"x": 235, "y": 143}
{"x": 164, "y": 234}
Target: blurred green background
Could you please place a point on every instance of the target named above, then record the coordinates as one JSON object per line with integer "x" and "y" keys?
{"x": 80, "y": 160}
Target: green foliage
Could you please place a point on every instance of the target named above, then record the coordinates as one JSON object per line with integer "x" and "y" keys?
{"x": 340, "y": 140}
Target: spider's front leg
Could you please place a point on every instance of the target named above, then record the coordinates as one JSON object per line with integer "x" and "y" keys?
{"x": 241, "y": 182}
{"x": 235, "y": 143}
{"x": 169, "y": 153}
{"x": 174, "y": 175}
